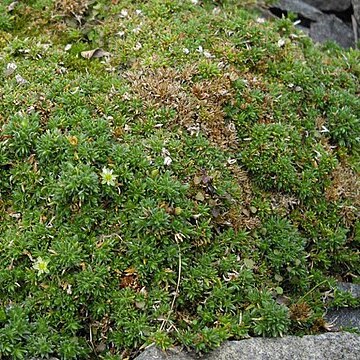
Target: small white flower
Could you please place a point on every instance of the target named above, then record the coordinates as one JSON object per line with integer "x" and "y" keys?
{"x": 136, "y": 30}
{"x": 167, "y": 161}
{"x": 138, "y": 12}
{"x": 108, "y": 178}
{"x": 41, "y": 266}
{"x": 208, "y": 55}
{"x": 138, "y": 46}
{"x": 260, "y": 20}
{"x": 67, "y": 47}
{"x": 195, "y": 2}
{"x": 281, "y": 43}
{"x": 216, "y": 11}
{"x": 186, "y": 51}
{"x": 20, "y": 80}
{"x": 124, "y": 13}
{"x": 201, "y": 50}
{"x": 10, "y": 68}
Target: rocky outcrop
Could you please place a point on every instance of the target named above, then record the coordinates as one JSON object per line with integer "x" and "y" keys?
{"x": 325, "y": 20}
{"x": 345, "y": 317}
{"x": 353, "y": 289}
{"x": 330, "y": 5}
{"x": 334, "y": 346}
{"x": 330, "y": 27}
{"x": 301, "y": 8}
{"x": 356, "y": 19}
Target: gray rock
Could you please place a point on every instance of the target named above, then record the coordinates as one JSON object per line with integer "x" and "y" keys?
{"x": 304, "y": 29}
{"x": 334, "y": 346}
{"x": 356, "y": 19}
{"x": 330, "y": 5}
{"x": 353, "y": 289}
{"x": 356, "y": 7}
{"x": 299, "y": 7}
{"x": 154, "y": 353}
{"x": 344, "y": 318}
{"x": 330, "y": 27}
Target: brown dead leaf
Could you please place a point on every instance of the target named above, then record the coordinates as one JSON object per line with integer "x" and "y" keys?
{"x": 130, "y": 281}
{"x": 246, "y": 212}
{"x": 197, "y": 180}
{"x": 94, "y": 54}
{"x": 199, "y": 196}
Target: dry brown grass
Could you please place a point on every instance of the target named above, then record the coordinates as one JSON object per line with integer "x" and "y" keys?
{"x": 199, "y": 109}
{"x": 300, "y": 312}
{"x": 198, "y": 104}
{"x": 72, "y": 7}
{"x": 345, "y": 185}
{"x": 241, "y": 216}
{"x": 283, "y": 203}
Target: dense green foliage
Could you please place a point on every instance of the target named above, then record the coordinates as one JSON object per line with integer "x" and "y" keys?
{"x": 199, "y": 183}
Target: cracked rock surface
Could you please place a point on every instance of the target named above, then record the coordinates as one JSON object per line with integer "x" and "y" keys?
{"x": 330, "y": 5}
{"x": 330, "y": 27}
{"x": 345, "y": 317}
{"x": 329, "y": 20}
{"x": 334, "y": 346}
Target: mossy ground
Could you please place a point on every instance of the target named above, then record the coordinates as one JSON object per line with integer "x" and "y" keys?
{"x": 233, "y": 201}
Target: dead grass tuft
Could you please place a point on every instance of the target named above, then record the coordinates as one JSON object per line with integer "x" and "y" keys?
{"x": 283, "y": 203}
{"x": 300, "y": 312}
{"x": 198, "y": 104}
{"x": 243, "y": 216}
{"x": 345, "y": 185}
{"x": 72, "y": 7}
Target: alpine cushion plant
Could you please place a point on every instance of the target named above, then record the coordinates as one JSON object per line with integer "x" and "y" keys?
{"x": 171, "y": 172}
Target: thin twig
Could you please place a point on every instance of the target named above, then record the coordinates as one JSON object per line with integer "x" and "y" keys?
{"x": 175, "y": 295}
{"x": 91, "y": 343}
{"x": 311, "y": 290}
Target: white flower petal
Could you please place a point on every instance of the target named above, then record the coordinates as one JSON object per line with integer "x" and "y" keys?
{"x": 20, "y": 80}
{"x": 167, "y": 161}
